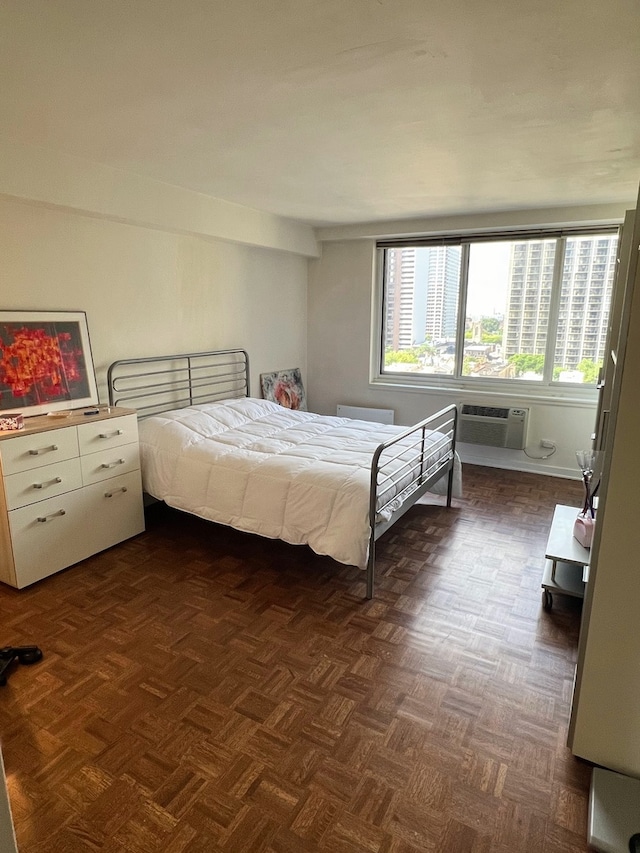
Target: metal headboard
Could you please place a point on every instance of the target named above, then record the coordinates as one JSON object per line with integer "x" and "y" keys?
{"x": 160, "y": 383}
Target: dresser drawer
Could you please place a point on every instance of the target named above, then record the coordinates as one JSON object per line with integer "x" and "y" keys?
{"x": 115, "y": 508}
{"x": 109, "y": 462}
{"x": 42, "y": 448}
{"x": 113, "y": 432}
{"x": 48, "y": 536}
{"x": 53, "y": 534}
{"x": 30, "y": 486}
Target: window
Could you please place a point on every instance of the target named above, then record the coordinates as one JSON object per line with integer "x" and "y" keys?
{"x": 529, "y": 308}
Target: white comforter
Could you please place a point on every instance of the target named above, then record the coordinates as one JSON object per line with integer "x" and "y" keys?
{"x": 258, "y": 467}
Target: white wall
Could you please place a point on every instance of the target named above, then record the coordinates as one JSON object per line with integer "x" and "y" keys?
{"x": 150, "y": 291}
{"x": 44, "y": 177}
{"x": 341, "y": 305}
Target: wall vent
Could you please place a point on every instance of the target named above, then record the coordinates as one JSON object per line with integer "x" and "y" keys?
{"x": 493, "y": 426}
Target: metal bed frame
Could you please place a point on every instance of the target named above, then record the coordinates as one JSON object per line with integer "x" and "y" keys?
{"x": 160, "y": 383}
{"x": 422, "y": 472}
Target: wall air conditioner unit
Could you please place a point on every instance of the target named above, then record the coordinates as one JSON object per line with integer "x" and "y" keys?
{"x": 493, "y": 426}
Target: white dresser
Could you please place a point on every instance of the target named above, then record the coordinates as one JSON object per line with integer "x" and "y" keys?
{"x": 71, "y": 487}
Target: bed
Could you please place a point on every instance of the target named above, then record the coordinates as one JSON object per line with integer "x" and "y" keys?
{"x": 335, "y": 484}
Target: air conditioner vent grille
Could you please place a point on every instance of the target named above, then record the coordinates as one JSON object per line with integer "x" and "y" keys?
{"x": 494, "y": 426}
{"x": 485, "y": 411}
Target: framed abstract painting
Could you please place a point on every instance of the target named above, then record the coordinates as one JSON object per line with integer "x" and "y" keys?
{"x": 45, "y": 362}
{"x": 284, "y": 387}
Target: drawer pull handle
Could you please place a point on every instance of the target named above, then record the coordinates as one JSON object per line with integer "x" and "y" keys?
{"x": 111, "y": 434}
{"x": 115, "y": 492}
{"x": 44, "y": 518}
{"x": 112, "y": 464}
{"x": 43, "y": 450}
{"x": 48, "y": 483}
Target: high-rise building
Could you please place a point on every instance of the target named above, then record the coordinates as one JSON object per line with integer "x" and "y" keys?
{"x": 401, "y": 294}
{"x": 584, "y": 300}
{"x": 443, "y": 282}
{"x": 421, "y": 286}
{"x": 587, "y": 281}
{"x": 529, "y": 297}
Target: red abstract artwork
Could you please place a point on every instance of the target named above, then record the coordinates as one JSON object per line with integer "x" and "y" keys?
{"x": 42, "y": 363}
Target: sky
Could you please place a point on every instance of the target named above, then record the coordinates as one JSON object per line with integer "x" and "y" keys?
{"x": 488, "y": 279}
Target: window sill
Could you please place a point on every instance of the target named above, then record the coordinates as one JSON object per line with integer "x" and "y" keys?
{"x": 515, "y": 393}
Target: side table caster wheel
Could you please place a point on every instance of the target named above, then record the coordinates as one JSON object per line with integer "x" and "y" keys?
{"x": 547, "y": 600}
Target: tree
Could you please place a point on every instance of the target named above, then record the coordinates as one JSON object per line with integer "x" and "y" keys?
{"x": 590, "y": 370}
{"x": 402, "y": 356}
{"x": 491, "y": 326}
{"x": 527, "y": 363}
{"x": 468, "y": 365}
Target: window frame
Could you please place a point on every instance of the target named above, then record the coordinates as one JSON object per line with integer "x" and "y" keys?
{"x": 545, "y": 388}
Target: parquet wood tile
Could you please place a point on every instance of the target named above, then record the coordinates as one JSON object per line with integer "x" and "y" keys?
{"x": 205, "y": 690}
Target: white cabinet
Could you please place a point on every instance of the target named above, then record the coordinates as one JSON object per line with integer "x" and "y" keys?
{"x": 70, "y": 488}
{"x": 7, "y": 834}
{"x": 605, "y": 715}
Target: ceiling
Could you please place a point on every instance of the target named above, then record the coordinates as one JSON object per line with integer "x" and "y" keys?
{"x": 336, "y": 111}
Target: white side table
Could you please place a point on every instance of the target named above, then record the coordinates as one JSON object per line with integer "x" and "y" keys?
{"x": 567, "y": 566}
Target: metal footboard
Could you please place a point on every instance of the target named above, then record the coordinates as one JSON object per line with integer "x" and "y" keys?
{"x": 403, "y": 469}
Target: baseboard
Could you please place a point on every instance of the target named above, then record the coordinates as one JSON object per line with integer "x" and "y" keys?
{"x": 526, "y": 465}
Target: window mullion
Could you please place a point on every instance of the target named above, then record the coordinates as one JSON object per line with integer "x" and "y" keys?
{"x": 381, "y": 300}
{"x": 462, "y": 308}
{"x": 554, "y": 308}
{"x": 381, "y": 317}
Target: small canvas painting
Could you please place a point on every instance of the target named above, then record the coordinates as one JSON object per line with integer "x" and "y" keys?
{"x": 284, "y": 387}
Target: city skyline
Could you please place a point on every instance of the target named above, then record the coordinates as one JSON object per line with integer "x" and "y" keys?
{"x": 511, "y": 281}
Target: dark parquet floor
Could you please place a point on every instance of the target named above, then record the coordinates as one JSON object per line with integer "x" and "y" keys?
{"x": 205, "y": 690}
